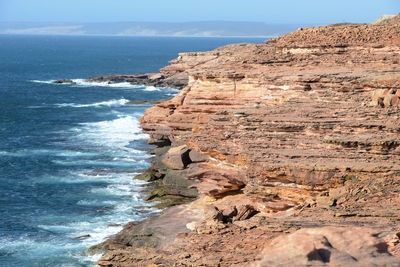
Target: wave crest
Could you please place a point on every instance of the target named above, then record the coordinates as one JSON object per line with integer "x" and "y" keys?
{"x": 83, "y": 82}
{"x": 121, "y": 85}
{"x": 114, "y": 103}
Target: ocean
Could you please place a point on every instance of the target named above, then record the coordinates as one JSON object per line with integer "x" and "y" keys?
{"x": 68, "y": 153}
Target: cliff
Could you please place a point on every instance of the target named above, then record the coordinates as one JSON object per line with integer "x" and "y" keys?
{"x": 301, "y": 133}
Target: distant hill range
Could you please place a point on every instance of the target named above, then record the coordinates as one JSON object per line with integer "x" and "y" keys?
{"x": 204, "y": 28}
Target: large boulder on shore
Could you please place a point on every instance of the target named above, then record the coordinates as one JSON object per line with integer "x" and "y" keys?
{"x": 196, "y": 156}
{"x": 328, "y": 246}
{"x": 177, "y": 158}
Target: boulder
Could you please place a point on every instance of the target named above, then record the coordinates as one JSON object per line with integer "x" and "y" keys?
{"x": 328, "y": 246}
{"x": 324, "y": 201}
{"x": 177, "y": 158}
{"x": 64, "y": 82}
{"x": 376, "y": 95}
{"x": 196, "y": 156}
{"x": 391, "y": 100}
{"x": 177, "y": 184}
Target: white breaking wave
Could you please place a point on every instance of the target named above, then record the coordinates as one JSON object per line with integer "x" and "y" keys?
{"x": 171, "y": 91}
{"x": 83, "y": 82}
{"x": 47, "y": 82}
{"x": 121, "y": 163}
{"x": 152, "y": 88}
{"x": 112, "y": 140}
{"x": 126, "y": 207}
{"x": 113, "y": 134}
{"x": 102, "y": 227}
{"x": 114, "y": 103}
{"x": 46, "y": 152}
{"x": 121, "y": 85}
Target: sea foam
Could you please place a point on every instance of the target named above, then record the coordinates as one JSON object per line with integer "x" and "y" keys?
{"x": 83, "y": 82}
{"x": 120, "y": 85}
{"x": 115, "y": 134}
{"x": 114, "y": 103}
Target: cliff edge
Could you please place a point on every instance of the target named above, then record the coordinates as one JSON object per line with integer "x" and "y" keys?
{"x": 293, "y": 147}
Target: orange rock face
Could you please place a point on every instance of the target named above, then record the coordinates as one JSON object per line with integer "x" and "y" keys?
{"x": 299, "y": 133}
{"x": 296, "y": 110}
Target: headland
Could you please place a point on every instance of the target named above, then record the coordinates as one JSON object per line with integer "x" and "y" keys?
{"x": 288, "y": 153}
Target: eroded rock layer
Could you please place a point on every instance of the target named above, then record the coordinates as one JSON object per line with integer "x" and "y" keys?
{"x": 281, "y": 113}
{"x": 300, "y": 132}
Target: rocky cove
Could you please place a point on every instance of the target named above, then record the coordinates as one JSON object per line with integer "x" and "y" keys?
{"x": 280, "y": 154}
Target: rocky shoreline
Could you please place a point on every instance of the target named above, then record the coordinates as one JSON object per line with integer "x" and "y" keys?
{"x": 283, "y": 154}
{"x": 148, "y": 79}
{"x": 173, "y": 76}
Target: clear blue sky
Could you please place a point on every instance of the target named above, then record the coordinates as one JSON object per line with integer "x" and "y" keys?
{"x": 275, "y": 11}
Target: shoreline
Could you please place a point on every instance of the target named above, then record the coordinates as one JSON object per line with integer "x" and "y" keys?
{"x": 292, "y": 146}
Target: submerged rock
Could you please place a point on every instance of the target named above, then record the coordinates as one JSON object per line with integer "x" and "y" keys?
{"x": 147, "y": 176}
{"x": 82, "y": 237}
{"x": 64, "y": 82}
{"x": 135, "y": 102}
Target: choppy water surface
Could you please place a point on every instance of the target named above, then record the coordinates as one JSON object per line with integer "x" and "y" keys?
{"x": 68, "y": 152}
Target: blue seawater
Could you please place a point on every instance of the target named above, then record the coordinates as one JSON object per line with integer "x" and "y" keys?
{"x": 68, "y": 152}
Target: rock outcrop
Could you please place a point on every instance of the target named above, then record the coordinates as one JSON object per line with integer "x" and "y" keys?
{"x": 64, "y": 82}
{"x": 295, "y": 133}
{"x": 173, "y": 76}
{"x": 150, "y": 79}
{"x": 328, "y": 246}
{"x": 279, "y": 113}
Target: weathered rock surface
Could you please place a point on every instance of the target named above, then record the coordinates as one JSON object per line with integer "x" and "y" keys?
{"x": 171, "y": 186}
{"x": 296, "y": 110}
{"x": 300, "y": 132}
{"x": 155, "y": 232}
{"x": 328, "y": 246}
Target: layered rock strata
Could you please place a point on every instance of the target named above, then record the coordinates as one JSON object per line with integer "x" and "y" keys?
{"x": 292, "y": 134}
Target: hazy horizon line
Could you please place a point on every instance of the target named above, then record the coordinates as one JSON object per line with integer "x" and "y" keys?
{"x": 170, "y": 29}
{"x": 168, "y": 22}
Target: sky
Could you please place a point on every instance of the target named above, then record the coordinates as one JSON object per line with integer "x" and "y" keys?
{"x": 275, "y": 11}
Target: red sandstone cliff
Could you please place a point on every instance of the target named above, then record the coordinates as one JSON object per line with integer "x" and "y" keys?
{"x": 300, "y": 132}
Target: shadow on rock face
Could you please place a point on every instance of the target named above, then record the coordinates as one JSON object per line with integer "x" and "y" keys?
{"x": 321, "y": 254}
